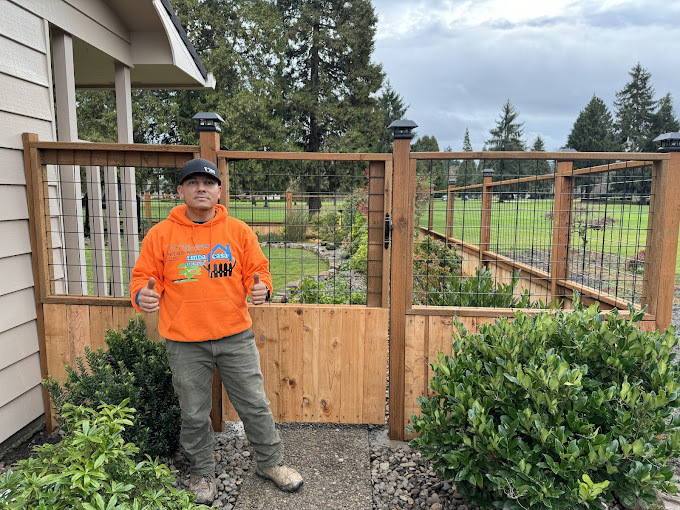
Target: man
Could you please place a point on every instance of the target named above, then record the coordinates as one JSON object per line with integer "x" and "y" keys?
{"x": 196, "y": 268}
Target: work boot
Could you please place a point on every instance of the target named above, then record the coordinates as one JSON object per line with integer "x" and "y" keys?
{"x": 203, "y": 486}
{"x": 285, "y": 478}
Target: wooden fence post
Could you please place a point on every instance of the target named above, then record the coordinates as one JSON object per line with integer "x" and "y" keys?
{"x": 40, "y": 255}
{"x": 289, "y": 204}
{"x": 562, "y": 214}
{"x": 430, "y": 216}
{"x": 209, "y": 130}
{"x": 485, "y": 228}
{"x": 450, "y": 197}
{"x": 401, "y": 273}
{"x": 376, "y": 218}
{"x": 662, "y": 240}
{"x": 147, "y": 205}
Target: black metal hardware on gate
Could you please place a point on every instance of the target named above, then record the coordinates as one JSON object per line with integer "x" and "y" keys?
{"x": 388, "y": 229}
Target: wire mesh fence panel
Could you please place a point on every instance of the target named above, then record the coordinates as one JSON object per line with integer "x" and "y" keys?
{"x": 528, "y": 232}
{"x": 312, "y": 221}
{"x": 96, "y": 216}
{"x": 610, "y": 223}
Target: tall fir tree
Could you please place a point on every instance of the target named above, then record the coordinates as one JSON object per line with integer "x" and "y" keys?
{"x": 391, "y": 107}
{"x": 468, "y": 172}
{"x": 539, "y": 189}
{"x": 635, "y": 107}
{"x": 507, "y": 136}
{"x": 593, "y": 131}
{"x": 435, "y": 171}
{"x": 664, "y": 120}
{"x": 329, "y": 82}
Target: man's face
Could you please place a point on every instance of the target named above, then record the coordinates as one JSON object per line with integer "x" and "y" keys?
{"x": 200, "y": 192}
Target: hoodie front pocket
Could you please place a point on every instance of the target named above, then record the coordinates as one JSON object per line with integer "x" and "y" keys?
{"x": 206, "y": 320}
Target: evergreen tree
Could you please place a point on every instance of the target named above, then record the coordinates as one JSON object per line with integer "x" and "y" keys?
{"x": 435, "y": 171}
{"x": 635, "y": 106}
{"x": 540, "y": 189}
{"x": 329, "y": 81}
{"x": 664, "y": 120}
{"x": 468, "y": 172}
{"x": 507, "y": 136}
{"x": 593, "y": 131}
{"x": 391, "y": 107}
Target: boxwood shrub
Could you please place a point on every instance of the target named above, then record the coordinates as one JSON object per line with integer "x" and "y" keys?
{"x": 135, "y": 368}
{"x": 554, "y": 411}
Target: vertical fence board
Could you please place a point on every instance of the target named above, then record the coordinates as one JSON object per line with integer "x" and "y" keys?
{"x": 330, "y": 352}
{"x": 56, "y": 340}
{"x": 78, "y": 320}
{"x": 310, "y": 338}
{"x": 113, "y": 229}
{"x": 101, "y": 319}
{"x": 375, "y": 365}
{"x": 352, "y": 373}
{"x": 415, "y": 365}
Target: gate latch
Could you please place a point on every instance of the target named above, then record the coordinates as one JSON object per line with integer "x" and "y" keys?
{"x": 388, "y": 229}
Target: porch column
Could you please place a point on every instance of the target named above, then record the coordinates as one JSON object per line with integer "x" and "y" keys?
{"x": 127, "y": 174}
{"x": 69, "y": 175}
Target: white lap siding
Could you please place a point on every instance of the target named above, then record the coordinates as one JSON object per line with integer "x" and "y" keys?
{"x": 25, "y": 106}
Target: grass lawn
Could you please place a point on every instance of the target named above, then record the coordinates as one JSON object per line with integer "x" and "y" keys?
{"x": 524, "y": 224}
{"x": 275, "y": 211}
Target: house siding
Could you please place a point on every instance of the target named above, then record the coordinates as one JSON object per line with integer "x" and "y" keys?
{"x": 25, "y": 106}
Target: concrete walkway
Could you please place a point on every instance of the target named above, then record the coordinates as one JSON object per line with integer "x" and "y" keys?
{"x": 334, "y": 461}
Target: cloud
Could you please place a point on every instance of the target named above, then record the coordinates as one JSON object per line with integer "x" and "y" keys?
{"x": 457, "y": 62}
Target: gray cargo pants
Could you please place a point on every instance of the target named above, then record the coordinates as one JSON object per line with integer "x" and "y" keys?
{"x": 238, "y": 362}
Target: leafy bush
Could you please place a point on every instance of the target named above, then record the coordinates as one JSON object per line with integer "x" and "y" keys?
{"x": 92, "y": 468}
{"x": 553, "y": 411}
{"x": 295, "y": 228}
{"x": 330, "y": 292}
{"x": 134, "y": 368}
{"x": 480, "y": 290}
{"x": 433, "y": 264}
{"x": 271, "y": 237}
{"x": 359, "y": 259}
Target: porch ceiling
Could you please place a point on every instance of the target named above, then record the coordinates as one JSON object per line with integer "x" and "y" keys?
{"x": 162, "y": 55}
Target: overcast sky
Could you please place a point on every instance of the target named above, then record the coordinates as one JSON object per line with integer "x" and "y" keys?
{"x": 456, "y": 62}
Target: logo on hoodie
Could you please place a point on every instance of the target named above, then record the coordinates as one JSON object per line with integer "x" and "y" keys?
{"x": 221, "y": 262}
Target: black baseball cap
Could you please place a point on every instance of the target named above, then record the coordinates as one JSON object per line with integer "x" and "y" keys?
{"x": 199, "y": 166}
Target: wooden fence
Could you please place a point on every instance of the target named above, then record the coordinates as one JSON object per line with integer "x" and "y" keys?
{"x": 320, "y": 363}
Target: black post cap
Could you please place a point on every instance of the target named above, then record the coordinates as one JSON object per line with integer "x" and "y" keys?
{"x": 208, "y": 121}
{"x": 670, "y": 142}
{"x": 401, "y": 129}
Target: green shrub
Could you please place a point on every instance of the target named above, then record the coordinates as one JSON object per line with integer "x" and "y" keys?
{"x": 433, "y": 264}
{"x": 295, "y": 228}
{"x": 359, "y": 259}
{"x": 330, "y": 292}
{"x": 552, "y": 411}
{"x": 134, "y": 368}
{"x": 480, "y": 290}
{"x": 92, "y": 468}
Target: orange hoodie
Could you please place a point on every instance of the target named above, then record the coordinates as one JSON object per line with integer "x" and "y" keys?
{"x": 203, "y": 273}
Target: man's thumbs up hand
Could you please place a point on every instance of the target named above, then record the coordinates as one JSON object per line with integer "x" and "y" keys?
{"x": 148, "y": 298}
{"x": 258, "y": 292}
